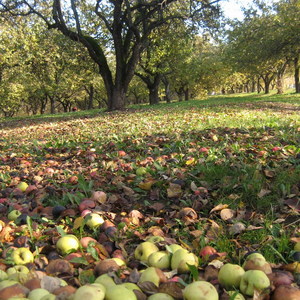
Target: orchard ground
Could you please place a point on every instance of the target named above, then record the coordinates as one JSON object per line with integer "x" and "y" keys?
{"x": 223, "y": 172}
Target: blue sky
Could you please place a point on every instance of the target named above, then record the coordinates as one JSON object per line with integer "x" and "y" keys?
{"x": 232, "y": 9}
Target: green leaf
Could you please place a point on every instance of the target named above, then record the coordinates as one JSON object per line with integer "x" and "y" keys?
{"x": 194, "y": 272}
{"x": 60, "y": 231}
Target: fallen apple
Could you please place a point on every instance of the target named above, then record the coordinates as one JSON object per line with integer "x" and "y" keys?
{"x": 13, "y": 215}
{"x": 37, "y": 294}
{"x": 257, "y": 262}
{"x": 131, "y": 286}
{"x": 141, "y": 171}
{"x": 235, "y": 295}
{"x": 119, "y": 292}
{"x": 253, "y": 280}
{"x": 207, "y": 251}
{"x": 200, "y": 290}
{"x": 159, "y": 259}
{"x": 22, "y": 256}
{"x": 181, "y": 259}
{"x": 93, "y": 220}
{"x": 173, "y": 248}
{"x": 22, "y": 186}
{"x": 160, "y": 296}
{"x": 105, "y": 280}
{"x": 143, "y": 251}
{"x": 67, "y": 243}
{"x": 286, "y": 292}
{"x": 90, "y": 292}
{"x": 154, "y": 275}
{"x": 297, "y": 246}
{"x": 3, "y": 275}
{"x": 155, "y": 239}
{"x": 230, "y": 276}
{"x": 50, "y": 297}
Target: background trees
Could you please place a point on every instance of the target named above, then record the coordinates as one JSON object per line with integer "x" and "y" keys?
{"x": 139, "y": 51}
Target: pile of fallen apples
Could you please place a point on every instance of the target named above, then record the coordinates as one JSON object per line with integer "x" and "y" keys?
{"x": 165, "y": 267}
{"x": 158, "y": 270}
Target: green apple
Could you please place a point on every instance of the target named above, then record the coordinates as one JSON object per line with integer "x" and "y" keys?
{"x": 173, "y": 248}
{"x": 119, "y": 292}
{"x": 105, "y": 280}
{"x": 22, "y": 186}
{"x": 37, "y": 294}
{"x": 48, "y": 297}
{"x": 67, "y": 243}
{"x": 181, "y": 259}
{"x": 90, "y": 292}
{"x": 6, "y": 283}
{"x": 18, "y": 273}
{"x": 131, "y": 286}
{"x": 230, "y": 276}
{"x": 155, "y": 239}
{"x": 141, "y": 171}
{"x": 297, "y": 246}
{"x": 237, "y": 296}
{"x": 13, "y": 215}
{"x": 3, "y": 275}
{"x": 22, "y": 256}
{"x": 143, "y": 251}
{"x": 154, "y": 275}
{"x": 253, "y": 280}
{"x": 160, "y": 296}
{"x": 159, "y": 259}
{"x": 200, "y": 290}
{"x": 93, "y": 220}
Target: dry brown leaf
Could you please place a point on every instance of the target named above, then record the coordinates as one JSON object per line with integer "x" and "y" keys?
{"x": 171, "y": 288}
{"x": 263, "y": 192}
{"x": 227, "y": 214}
{"x": 219, "y": 207}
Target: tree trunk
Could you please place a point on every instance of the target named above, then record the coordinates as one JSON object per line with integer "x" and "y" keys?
{"x": 52, "y": 105}
{"x": 153, "y": 95}
{"x": 117, "y": 99}
{"x": 187, "y": 94}
{"x": 91, "y": 97}
{"x": 166, "y": 83}
{"x": 279, "y": 79}
{"x": 296, "y": 75}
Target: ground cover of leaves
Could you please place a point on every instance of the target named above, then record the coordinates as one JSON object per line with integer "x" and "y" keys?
{"x": 225, "y": 174}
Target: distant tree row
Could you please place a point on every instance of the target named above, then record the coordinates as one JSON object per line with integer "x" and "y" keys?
{"x": 114, "y": 53}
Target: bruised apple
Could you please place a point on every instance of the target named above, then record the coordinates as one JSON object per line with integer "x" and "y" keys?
{"x": 154, "y": 275}
{"x": 254, "y": 280}
{"x": 200, "y": 290}
{"x": 90, "y": 291}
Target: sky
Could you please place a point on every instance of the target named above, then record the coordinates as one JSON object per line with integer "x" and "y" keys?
{"x": 232, "y": 8}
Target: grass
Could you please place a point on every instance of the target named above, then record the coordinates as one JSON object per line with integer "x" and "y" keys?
{"x": 244, "y": 150}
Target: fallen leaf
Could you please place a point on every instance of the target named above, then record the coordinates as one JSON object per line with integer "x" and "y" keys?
{"x": 174, "y": 190}
{"x": 219, "y": 207}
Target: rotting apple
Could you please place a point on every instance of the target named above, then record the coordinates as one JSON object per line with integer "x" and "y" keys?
{"x": 207, "y": 251}
{"x": 22, "y": 256}
{"x": 67, "y": 243}
{"x": 286, "y": 292}
{"x": 119, "y": 292}
{"x": 230, "y": 276}
{"x": 131, "y": 286}
{"x": 181, "y": 259}
{"x": 253, "y": 280}
{"x": 143, "y": 251}
{"x": 200, "y": 290}
{"x": 154, "y": 275}
{"x": 159, "y": 259}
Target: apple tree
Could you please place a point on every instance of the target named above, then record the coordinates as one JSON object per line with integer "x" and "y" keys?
{"x": 120, "y": 26}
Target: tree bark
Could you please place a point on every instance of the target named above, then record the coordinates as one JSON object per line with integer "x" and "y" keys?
{"x": 186, "y": 94}
{"x": 296, "y": 75}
